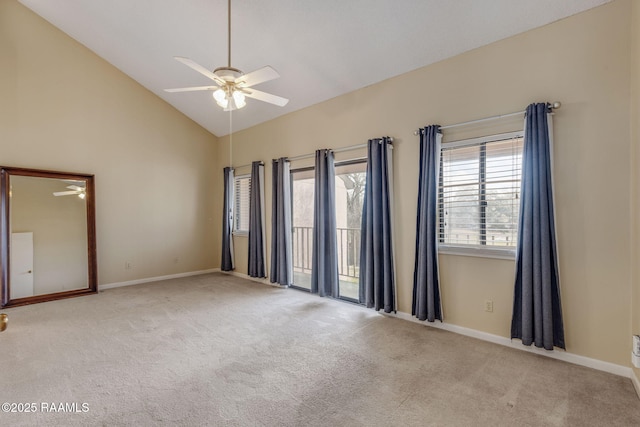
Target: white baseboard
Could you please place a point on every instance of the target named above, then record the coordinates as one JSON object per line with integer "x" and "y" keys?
{"x": 156, "y": 279}
{"x": 263, "y": 280}
{"x": 600, "y": 365}
{"x": 636, "y": 382}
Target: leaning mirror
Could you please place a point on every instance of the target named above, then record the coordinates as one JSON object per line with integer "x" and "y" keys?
{"x": 48, "y": 246}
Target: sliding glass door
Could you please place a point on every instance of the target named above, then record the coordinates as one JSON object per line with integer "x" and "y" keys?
{"x": 302, "y": 188}
{"x": 351, "y": 179}
{"x": 350, "y": 184}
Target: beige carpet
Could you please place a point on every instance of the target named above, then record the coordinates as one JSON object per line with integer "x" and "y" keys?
{"x": 221, "y": 351}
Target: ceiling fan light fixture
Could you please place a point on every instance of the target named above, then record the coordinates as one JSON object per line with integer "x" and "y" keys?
{"x": 221, "y": 98}
{"x": 229, "y": 98}
{"x": 224, "y": 104}
{"x": 82, "y": 195}
{"x": 238, "y": 98}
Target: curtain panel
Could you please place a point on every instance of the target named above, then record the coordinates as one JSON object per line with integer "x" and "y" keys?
{"x": 537, "y": 311}
{"x": 324, "y": 262}
{"x": 257, "y": 250}
{"x": 426, "y": 281}
{"x": 226, "y": 263}
{"x": 281, "y": 226}
{"x": 377, "y": 275}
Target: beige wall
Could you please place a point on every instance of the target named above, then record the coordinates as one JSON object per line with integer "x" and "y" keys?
{"x": 63, "y": 108}
{"x": 582, "y": 61}
{"x": 635, "y": 168}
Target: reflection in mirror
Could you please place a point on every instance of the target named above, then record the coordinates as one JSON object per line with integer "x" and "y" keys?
{"x": 48, "y": 239}
{"x": 48, "y": 236}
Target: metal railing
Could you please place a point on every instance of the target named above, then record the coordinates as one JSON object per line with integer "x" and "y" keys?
{"x": 348, "y": 242}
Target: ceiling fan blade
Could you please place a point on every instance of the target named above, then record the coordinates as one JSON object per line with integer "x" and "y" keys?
{"x": 75, "y": 188}
{"x": 199, "y": 68}
{"x": 262, "y": 75}
{"x": 266, "y": 97}
{"x": 191, "y": 89}
{"x": 65, "y": 193}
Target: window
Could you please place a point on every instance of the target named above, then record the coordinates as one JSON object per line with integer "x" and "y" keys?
{"x": 242, "y": 192}
{"x": 479, "y": 195}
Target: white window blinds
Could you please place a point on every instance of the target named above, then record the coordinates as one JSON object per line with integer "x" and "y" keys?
{"x": 242, "y": 194}
{"x": 479, "y": 194}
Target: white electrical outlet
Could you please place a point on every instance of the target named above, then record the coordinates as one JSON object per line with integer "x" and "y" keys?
{"x": 488, "y": 306}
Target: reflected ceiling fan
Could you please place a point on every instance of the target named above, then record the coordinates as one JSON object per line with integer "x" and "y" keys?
{"x": 232, "y": 84}
{"x": 74, "y": 190}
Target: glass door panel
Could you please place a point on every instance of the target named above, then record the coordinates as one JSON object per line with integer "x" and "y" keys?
{"x": 302, "y": 189}
{"x": 350, "y": 186}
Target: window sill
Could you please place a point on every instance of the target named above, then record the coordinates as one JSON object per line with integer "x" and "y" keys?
{"x": 475, "y": 251}
{"x": 241, "y": 233}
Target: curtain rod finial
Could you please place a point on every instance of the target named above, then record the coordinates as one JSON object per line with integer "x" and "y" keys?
{"x": 556, "y": 105}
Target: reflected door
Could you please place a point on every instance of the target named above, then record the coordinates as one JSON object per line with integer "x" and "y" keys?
{"x": 21, "y": 265}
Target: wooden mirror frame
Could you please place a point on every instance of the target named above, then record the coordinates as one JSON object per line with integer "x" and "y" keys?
{"x": 5, "y": 233}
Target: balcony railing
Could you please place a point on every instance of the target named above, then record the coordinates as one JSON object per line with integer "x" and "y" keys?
{"x": 348, "y": 242}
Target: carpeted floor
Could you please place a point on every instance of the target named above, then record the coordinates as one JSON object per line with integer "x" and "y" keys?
{"x": 217, "y": 350}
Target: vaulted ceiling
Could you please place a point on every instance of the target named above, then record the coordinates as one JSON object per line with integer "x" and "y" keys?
{"x": 321, "y": 49}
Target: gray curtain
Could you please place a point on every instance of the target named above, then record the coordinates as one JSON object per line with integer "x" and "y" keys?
{"x": 256, "y": 267}
{"x": 426, "y": 281}
{"x": 324, "y": 263}
{"x": 537, "y": 312}
{"x": 377, "y": 276}
{"x": 227, "y": 222}
{"x": 281, "y": 249}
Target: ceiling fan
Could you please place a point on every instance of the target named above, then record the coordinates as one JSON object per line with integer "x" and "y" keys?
{"x": 74, "y": 190}
{"x": 233, "y": 85}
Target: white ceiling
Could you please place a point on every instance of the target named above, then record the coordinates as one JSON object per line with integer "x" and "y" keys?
{"x": 321, "y": 49}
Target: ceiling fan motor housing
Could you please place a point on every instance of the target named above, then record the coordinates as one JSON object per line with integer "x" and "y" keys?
{"x": 228, "y": 74}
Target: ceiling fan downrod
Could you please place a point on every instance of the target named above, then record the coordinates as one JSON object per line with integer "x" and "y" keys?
{"x": 229, "y": 33}
{"x": 228, "y": 73}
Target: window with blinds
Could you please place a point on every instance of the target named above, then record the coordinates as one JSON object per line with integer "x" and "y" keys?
{"x": 242, "y": 194}
{"x": 479, "y": 192}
